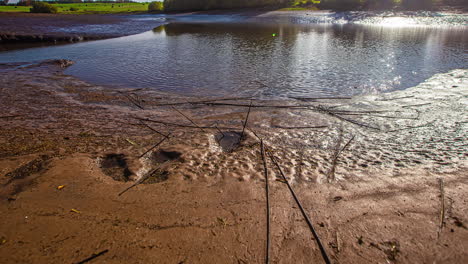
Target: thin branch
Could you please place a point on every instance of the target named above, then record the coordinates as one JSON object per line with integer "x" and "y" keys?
{"x": 405, "y": 128}
{"x": 442, "y": 209}
{"x": 309, "y": 223}
{"x": 245, "y": 122}
{"x": 132, "y": 100}
{"x": 304, "y": 127}
{"x": 219, "y": 130}
{"x": 331, "y": 174}
{"x": 348, "y": 120}
{"x": 157, "y": 144}
{"x": 93, "y": 257}
{"x": 179, "y": 125}
{"x": 320, "y": 98}
{"x": 206, "y": 101}
{"x": 152, "y": 129}
{"x": 265, "y": 172}
{"x": 397, "y": 98}
{"x": 406, "y": 106}
{"x": 139, "y": 181}
{"x": 382, "y": 116}
{"x": 11, "y": 116}
{"x": 188, "y": 118}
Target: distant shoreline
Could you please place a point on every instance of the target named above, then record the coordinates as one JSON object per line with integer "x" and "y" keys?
{"x": 64, "y": 28}
{"x": 42, "y": 29}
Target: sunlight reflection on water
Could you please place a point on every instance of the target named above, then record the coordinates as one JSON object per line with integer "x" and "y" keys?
{"x": 268, "y": 59}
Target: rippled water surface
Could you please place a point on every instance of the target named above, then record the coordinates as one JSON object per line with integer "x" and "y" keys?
{"x": 285, "y": 56}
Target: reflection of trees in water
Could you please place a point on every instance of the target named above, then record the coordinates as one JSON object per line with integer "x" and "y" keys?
{"x": 185, "y": 5}
{"x": 299, "y": 57}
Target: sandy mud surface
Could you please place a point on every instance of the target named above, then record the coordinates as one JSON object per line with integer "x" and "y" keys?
{"x": 383, "y": 178}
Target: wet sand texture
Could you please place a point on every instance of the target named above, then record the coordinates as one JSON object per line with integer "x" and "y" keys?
{"x": 375, "y": 198}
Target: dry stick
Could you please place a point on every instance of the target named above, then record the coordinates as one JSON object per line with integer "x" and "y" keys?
{"x": 321, "y": 98}
{"x": 219, "y": 130}
{"x": 349, "y": 120}
{"x": 307, "y": 106}
{"x": 133, "y": 101}
{"x": 338, "y": 241}
{"x": 309, "y": 223}
{"x": 442, "y": 209}
{"x": 178, "y": 125}
{"x": 93, "y": 257}
{"x": 406, "y": 106}
{"x": 139, "y": 181}
{"x": 304, "y": 127}
{"x": 188, "y": 118}
{"x": 331, "y": 174}
{"x": 205, "y": 101}
{"x": 405, "y": 128}
{"x": 10, "y": 116}
{"x": 152, "y": 129}
{"x": 396, "y": 98}
{"x": 153, "y": 147}
{"x": 265, "y": 172}
{"x": 245, "y": 123}
{"x": 382, "y": 116}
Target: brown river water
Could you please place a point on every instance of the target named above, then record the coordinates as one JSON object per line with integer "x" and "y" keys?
{"x": 265, "y": 56}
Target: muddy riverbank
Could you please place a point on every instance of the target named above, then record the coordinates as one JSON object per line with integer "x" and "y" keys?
{"x": 367, "y": 170}
{"x": 17, "y": 28}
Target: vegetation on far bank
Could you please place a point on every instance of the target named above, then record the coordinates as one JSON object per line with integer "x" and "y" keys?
{"x": 292, "y": 5}
{"x": 86, "y": 8}
{"x": 78, "y": 7}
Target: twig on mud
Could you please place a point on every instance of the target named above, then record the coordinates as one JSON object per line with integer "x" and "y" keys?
{"x": 215, "y": 125}
{"x": 309, "y": 223}
{"x": 304, "y": 127}
{"x": 179, "y": 125}
{"x": 139, "y": 181}
{"x": 397, "y": 98}
{"x": 245, "y": 123}
{"x": 442, "y": 209}
{"x": 11, "y": 116}
{"x": 382, "y": 116}
{"x": 205, "y": 101}
{"x": 320, "y": 98}
{"x": 332, "y": 113}
{"x": 338, "y": 151}
{"x": 256, "y": 135}
{"x": 405, "y": 128}
{"x": 188, "y": 118}
{"x": 219, "y": 130}
{"x": 338, "y": 242}
{"x": 93, "y": 257}
{"x": 259, "y": 106}
{"x": 157, "y": 144}
{"x": 406, "y": 106}
{"x": 152, "y": 129}
{"x": 265, "y": 172}
{"x": 132, "y": 100}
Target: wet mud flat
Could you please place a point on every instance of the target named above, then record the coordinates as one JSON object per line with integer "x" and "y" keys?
{"x": 382, "y": 177}
{"x": 24, "y": 29}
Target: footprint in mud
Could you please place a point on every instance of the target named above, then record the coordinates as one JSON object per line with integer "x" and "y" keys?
{"x": 116, "y": 166}
{"x": 159, "y": 158}
{"x": 228, "y": 141}
{"x": 35, "y": 166}
{"x": 163, "y": 156}
{"x": 20, "y": 178}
